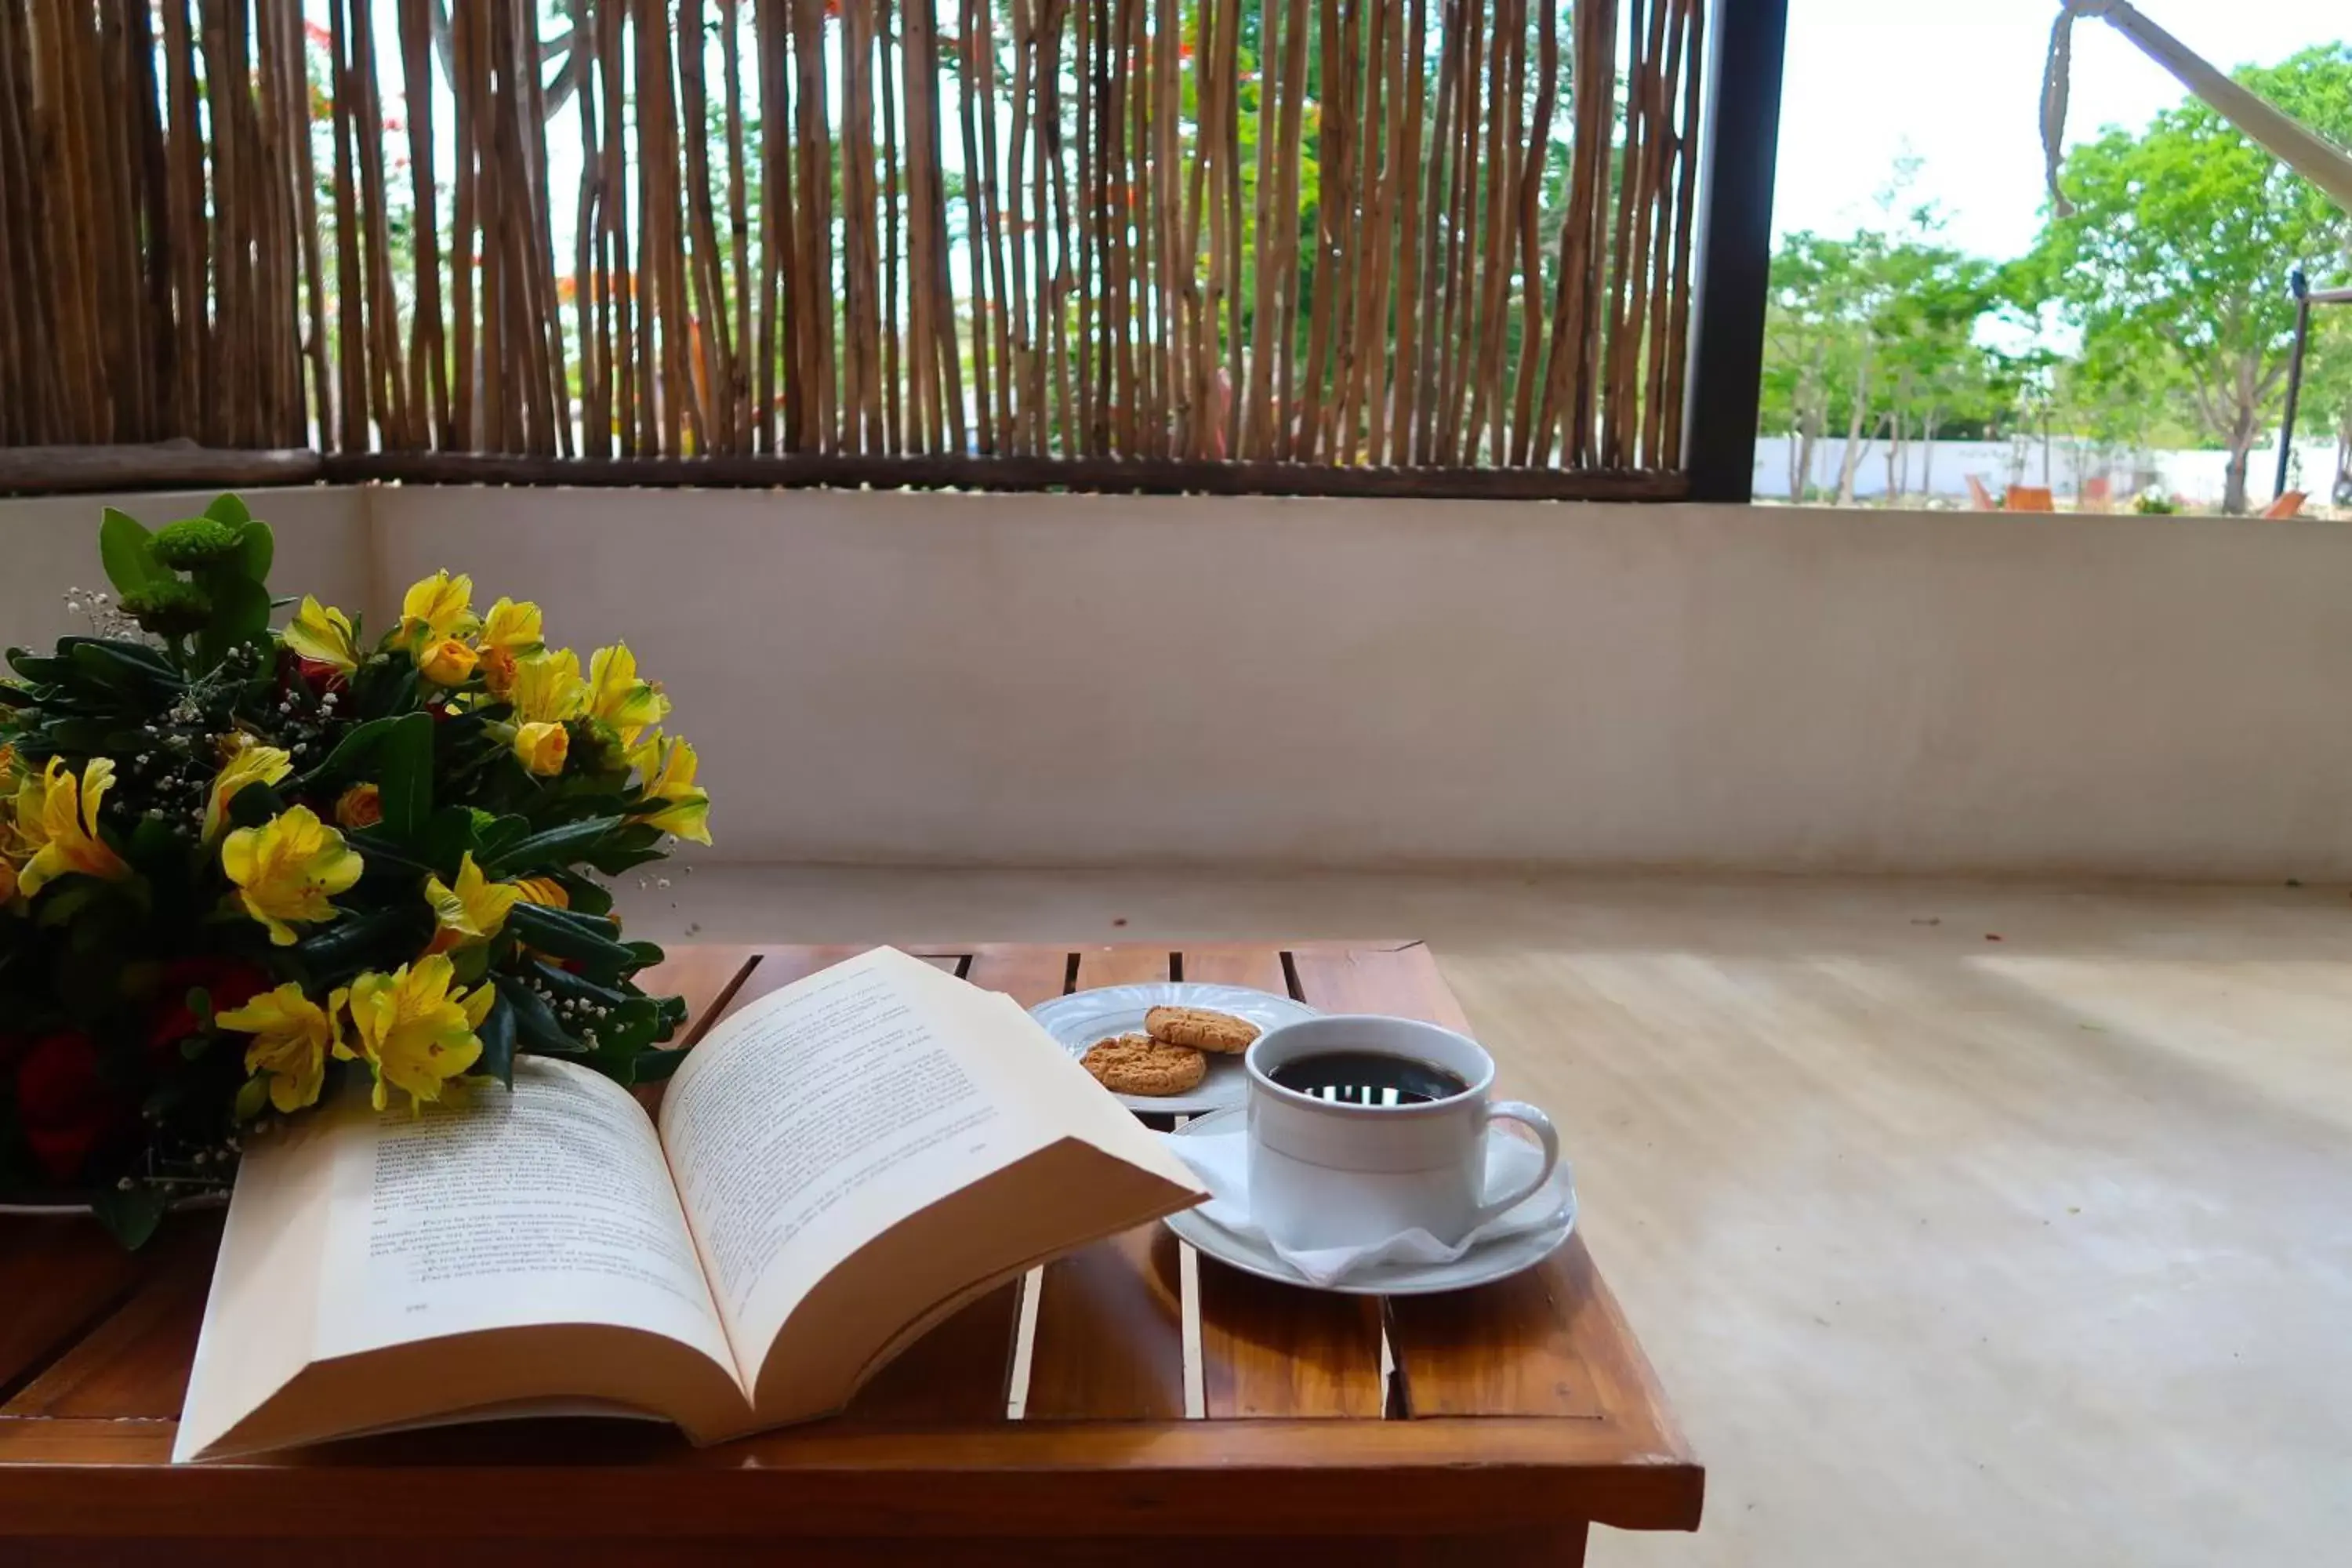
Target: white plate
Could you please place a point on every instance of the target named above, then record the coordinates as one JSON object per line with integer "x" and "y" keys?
{"x": 1082, "y": 1017}
{"x": 1479, "y": 1265}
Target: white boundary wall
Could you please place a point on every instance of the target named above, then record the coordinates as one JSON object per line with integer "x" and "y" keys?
{"x": 1942, "y": 471}
{"x": 1069, "y": 680}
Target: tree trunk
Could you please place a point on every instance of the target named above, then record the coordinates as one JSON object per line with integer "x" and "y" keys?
{"x": 1851, "y": 459}
{"x": 1928, "y": 454}
{"x": 1810, "y": 415}
{"x": 1894, "y": 458}
{"x": 2234, "y": 482}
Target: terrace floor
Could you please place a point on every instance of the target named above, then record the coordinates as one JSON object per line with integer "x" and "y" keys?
{"x": 1966, "y": 1223}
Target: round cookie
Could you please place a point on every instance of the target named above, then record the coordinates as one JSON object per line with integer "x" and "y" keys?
{"x": 1201, "y": 1029}
{"x": 1138, "y": 1064}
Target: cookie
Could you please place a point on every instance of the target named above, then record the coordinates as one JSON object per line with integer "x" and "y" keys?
{"x": 1201, "y": 1029}
{"x": 1138, "y": 1064}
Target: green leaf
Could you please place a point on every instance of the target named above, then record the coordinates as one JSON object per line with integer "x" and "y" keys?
{"x": 253, "y": 804}
{"x": 131, "y": 1215}
{"x": 448, "y": 833}
{"x": 498, "y": 1037}
{"x": 555, "y": 846}
{"x": 124, "y": 666}
{"x": 562, "y": 934}
{"x": 124, "y": 548}
{"x": 407, "y": 764}
{"x": 382, "y": 939}
{"x": 497, "y": 833}
{"x": 228, "y": 507}
{"x": 252, "y": 1096}
{"x": 256, "y": 550}
{"x": 535, "y": 1024}
{"x": 587, "y": 896}
{"x": 470, "y": 965}
{"x": 74, "y": 894}
{"x": 561, "y": 986}
{"x": 38, "y": 667}
{"x": 152, "y": 839}
{"x": 654, "y": 1066}
{"x": 350, "y": 753}
{"x": 240, "y": 615}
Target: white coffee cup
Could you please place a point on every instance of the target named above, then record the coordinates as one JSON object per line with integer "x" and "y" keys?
{"x": 1331, "y": 1174}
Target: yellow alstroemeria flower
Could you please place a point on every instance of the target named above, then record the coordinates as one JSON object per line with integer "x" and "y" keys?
{"x": 545, "y": 891}
{"x": 248, "y": 765}
{"x": 548, "y": 689}
{"x": 618, "y": 698}
{"x": 322, "y": 634}
{"x": 57, "y": 825}
{"x": 436, "y": 610}
{"x": 512, "y": 626}
{"x": 288, "y": 870}
{"x": 511, "y": 631}
{"x": 291, "y": 1036}
{"x": 415, "y": 1033}
{"x": 666, "y": 765}
{"x": 473, "y": 910}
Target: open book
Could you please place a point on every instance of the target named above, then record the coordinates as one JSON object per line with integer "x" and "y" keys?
{"x": 838, "y": 1167}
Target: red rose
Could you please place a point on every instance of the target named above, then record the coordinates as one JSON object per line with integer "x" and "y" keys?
{"x": 66, "y": 1110}
{"x": 230, "y": 983}
{"x": 317, "y": 674}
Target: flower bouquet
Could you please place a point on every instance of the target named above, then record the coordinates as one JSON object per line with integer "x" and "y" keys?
{"x": 238, "y": 866}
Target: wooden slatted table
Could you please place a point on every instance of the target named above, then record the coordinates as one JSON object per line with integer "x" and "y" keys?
{"x": 1132, "y": 1403}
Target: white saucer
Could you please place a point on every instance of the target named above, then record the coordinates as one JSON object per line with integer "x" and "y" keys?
{"x": 1083, "y": 1018}
{"x": 1481, "y": 1265}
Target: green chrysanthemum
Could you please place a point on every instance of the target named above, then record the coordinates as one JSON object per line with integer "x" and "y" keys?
{"x": 195, "y": 542}
{"x": 168, "y": 609}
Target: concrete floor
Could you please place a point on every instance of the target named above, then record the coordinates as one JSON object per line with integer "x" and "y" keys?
{"x": 1966, "y": 1223}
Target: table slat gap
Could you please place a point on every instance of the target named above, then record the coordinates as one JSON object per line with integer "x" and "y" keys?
{"x": 135, "y": 1362}
{"x": 62, "y": 1276}
{"x": 1110, "y": 1342}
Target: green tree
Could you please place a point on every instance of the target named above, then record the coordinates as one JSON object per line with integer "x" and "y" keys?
{"x": 1873, "y": 337}
{"x": 2176, "y": 256}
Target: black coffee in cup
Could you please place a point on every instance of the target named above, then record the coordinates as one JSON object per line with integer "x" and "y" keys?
{"x": 1368, "y": 1078}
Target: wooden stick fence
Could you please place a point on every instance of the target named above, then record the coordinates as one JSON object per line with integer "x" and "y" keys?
{"x": 1016, "y": 241}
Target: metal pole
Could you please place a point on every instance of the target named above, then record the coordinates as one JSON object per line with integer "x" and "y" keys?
{"x": 1735, "y": 249}
{"x": 2302, "y": 289}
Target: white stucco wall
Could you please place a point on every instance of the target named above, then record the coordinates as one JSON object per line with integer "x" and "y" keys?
{"x": 50, "y": 544}
{"x": 1051, "y": 679}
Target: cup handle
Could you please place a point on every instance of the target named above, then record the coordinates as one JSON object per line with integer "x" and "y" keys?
{"x": 1536, "y": 1121}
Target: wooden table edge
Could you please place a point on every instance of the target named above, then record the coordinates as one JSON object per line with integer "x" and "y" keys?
{"x": 1509, "y": 1472}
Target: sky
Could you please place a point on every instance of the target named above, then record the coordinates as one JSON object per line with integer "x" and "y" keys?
{"x": 1959, "y": 84}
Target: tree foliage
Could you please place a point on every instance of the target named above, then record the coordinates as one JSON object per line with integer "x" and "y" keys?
{"x": 2174, "y": 263}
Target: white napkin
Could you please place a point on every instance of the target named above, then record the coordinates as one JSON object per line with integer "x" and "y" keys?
{"x": 1222, "y": 1162}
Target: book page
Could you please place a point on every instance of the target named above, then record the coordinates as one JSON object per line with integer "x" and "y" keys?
{"x": 551, "y": 1204}
{"x": 816, "y": 1118}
